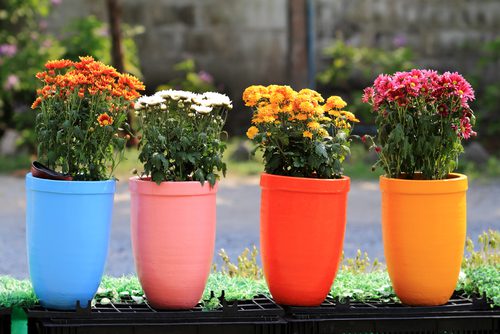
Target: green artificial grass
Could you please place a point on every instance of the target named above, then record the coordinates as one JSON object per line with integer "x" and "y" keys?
{"x": 16, "y": 293}
{"x": 482, "y": 280}
{"x": 235, "y": 288}
{"x": 373, "y": 285}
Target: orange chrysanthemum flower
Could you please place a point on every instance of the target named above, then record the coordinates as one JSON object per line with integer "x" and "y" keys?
{"x": 37, "y": 102}
{"x": 131, "y": 82}
{"x": 105, "y": 119}
{"x": 58, "y": 64}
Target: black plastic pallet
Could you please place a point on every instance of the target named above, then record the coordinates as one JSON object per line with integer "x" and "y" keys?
{"x": 461, "y": 315}
{"x": 5, "y": 321}
{"x": 259, "y": 315}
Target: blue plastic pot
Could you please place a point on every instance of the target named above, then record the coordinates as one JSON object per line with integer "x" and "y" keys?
{"x": 67, "y": 232}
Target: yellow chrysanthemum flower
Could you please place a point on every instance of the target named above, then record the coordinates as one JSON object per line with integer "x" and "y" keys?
{"x": 334, "y": 113}
{"x": 342, "y": 124}
{"x": 311, "y": 95}
{"x": 307, "y": 134}
{"x": 335, "y": 102}
{"x": 253, "y": 94}
{"x": 322, "y": 132}
{"x": 313, "y": 125}
{"x": 252, "y": 132}
{"x": 350, "y": 116}
{"x": 307, "y": 107}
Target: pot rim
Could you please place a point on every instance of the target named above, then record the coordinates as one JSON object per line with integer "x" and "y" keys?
{"x": 455, "y": 182}
{"x": 70, "y": 187}
{"x": 170, "y": 188}
{"x": 304, "y": 184}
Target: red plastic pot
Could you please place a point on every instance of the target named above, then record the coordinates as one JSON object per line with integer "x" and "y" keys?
{"x": 173, "y": 236}
{"x": 302, "y": 233}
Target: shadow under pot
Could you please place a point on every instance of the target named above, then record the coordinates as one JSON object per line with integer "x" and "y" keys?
{"x": 424, "y": 230}
{"x": 67, "y": 233}
{"x": 173, "y": 238}
{"x": 302, "y": 233}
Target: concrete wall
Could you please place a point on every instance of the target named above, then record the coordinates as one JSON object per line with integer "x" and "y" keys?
{"x": 444, "y": 34}
{"x": 238, "y": 41}
{"x": 243, "y": 42}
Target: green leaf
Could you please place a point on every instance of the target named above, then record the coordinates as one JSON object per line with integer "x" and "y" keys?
{"x": 199, "y": 175}
{"x": 321, "y": 150}
{"x": 157, "y": 176}
{"x": 211, "y": 179}
{"x": 273, "y": 163}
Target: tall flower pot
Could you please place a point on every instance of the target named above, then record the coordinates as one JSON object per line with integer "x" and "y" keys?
{"x": 423, "y": 228}
{"x": 302, "y": 233}
{"x": 173, "y": 237}
{"x": 67, "y": 232}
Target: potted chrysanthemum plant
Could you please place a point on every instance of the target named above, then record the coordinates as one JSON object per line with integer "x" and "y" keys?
{"x": 173, "y": 209}
{"x": 304, "y": 192}
{"x": 81, "y": 112}
{"x": 422, "y": 118}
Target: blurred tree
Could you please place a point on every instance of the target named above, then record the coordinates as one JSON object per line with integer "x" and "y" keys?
{"x": 297, "y": 43}
{"x": 114, "y": 16}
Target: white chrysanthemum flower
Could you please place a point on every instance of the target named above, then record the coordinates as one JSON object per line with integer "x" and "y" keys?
{"x": 138, "y": 106}
{"x": 152, "y": 100}
{"x": 176, "y": 95}
{"x": 201, "y": 109}
{"x": 200, "y": 100}
{"x": 217, "y": 99}
{"x": 163, "y": 106}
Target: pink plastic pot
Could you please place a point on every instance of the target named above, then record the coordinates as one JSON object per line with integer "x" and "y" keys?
{"x": 173, "y": 236}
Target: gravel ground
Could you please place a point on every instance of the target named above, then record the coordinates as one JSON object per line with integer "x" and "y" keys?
{"x": 237, "y": 221}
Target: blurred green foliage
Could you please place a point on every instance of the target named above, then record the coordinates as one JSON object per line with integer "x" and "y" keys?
{"x": 25, "y": 46}
{"x": 487, "y": 89}
{"x": 190, "y": 79}
{"x": 487, "y": 251}
{"x": 89, "y": 36}
{"x": 353, "y": 68}
{"x": 245, "y": 267}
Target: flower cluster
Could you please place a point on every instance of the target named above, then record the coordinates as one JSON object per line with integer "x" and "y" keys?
{"x": 199, "y": 103}
{"x": 300, "y": 133}
{"x": 181, "y": 135}
{"x": 422, "y": 117}
{"x": 87, "y": 78}
{"x": 446, "y": 94}
{"x": 83, "y": 107}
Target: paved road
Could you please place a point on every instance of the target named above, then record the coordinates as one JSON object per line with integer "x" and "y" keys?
{"x": 238, "y": 221}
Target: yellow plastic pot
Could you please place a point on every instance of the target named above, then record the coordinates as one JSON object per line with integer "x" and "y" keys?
{"x": 423, "y": 228}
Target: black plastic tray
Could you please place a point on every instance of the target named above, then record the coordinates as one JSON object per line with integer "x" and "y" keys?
{"x": 5, "y": 321}
{"x": 461, "y": 315}
{"x": 260, "y": 315}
